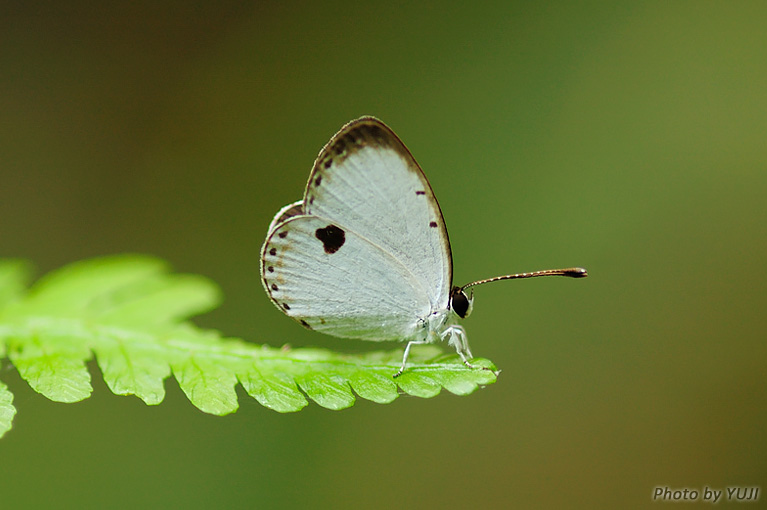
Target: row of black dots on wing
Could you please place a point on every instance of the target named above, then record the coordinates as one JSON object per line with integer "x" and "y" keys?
{"x": 432, "y": 224}
{"x": 273, "y": 286}
{"x": 270, "y": 269}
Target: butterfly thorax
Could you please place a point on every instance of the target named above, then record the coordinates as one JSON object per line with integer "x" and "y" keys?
{"x": 436, "y": 323}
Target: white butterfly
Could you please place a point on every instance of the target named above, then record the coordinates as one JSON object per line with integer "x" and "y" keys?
{"x": 365, "y": 254}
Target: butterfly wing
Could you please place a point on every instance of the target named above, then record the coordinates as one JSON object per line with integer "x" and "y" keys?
{"x": 284, "y": 214}
{"x": 337, "y": 282}
{"x": 366, "y": 180}
{"x": 366, "y": 253}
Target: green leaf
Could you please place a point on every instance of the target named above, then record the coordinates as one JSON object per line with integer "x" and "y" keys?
{"x": 276, "y": 391}
{"x": 208, "y": 385}
{"x": 332, "y": 392}
{"x": 55, "y": 375}
{"x": 131, "y": 367}
{"x": 7, "y": 411}
{"x": 418, "y": 384}
{"x": 374, "y": 385}
{"x": 133, "y": 315}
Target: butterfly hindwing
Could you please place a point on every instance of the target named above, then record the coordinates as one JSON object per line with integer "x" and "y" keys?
{"x": 335, "y": 281}
{"x": 284, "y": 214}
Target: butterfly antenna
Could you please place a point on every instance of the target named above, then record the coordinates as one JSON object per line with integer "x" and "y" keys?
{"x": 572, "y": 272}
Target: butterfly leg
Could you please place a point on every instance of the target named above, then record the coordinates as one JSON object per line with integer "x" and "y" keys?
{"x": 456, "y": 337}
{"x": 459, "y": 340}
{"x": 407, "y": 353}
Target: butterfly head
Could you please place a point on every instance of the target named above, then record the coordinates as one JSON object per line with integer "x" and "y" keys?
{"x": 460, "y": 303}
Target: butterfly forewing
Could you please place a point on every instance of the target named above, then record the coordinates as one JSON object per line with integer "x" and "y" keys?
{"x": 313, "y": 270}
{"x": 366, "y": 181}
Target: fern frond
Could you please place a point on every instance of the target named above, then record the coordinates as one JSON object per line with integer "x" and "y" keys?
{"x": 132, "y": 314}
{"x": 7, "y": 411}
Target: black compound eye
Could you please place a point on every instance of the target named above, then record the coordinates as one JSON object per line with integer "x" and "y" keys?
{"x": 459, "y": 303}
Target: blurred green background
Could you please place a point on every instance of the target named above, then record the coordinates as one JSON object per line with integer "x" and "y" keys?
{"x": 629, "y": 138}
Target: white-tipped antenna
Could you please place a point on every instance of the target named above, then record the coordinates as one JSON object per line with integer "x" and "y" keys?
{"x": 572, "y": 272}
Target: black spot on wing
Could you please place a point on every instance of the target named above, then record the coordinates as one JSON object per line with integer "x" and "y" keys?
{"x": 283, "y": 234}
{"x": 273, "y": 251}
{"x": 433, "y": 224}
{"x": 420, "y": 192}
{"x": 274, "y": 287}
{"x": 305, "y": 324}
{"x": 318, "y": 180}
{"x": 332, "y": 238}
